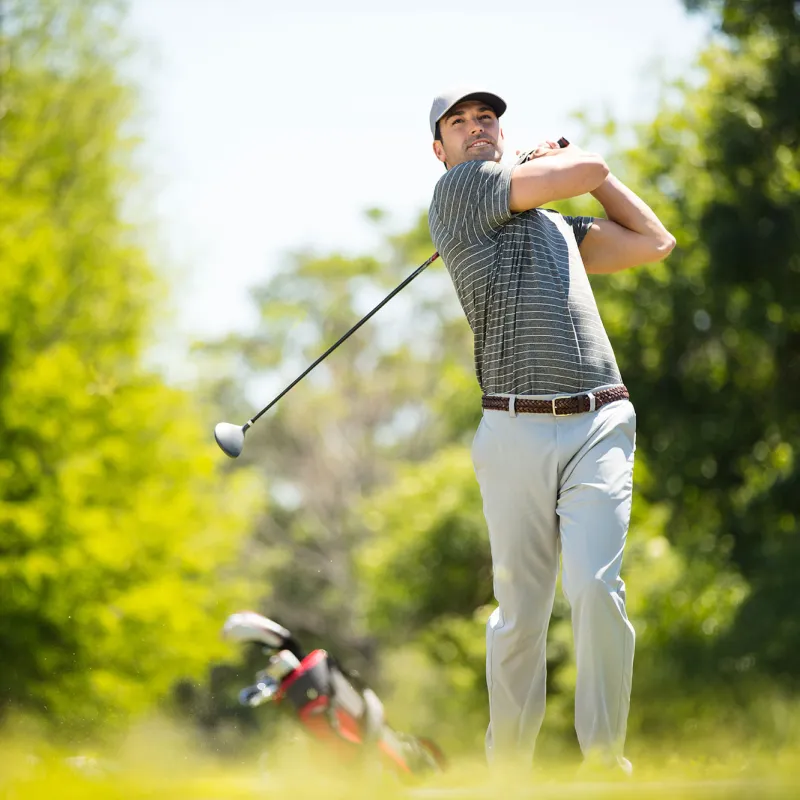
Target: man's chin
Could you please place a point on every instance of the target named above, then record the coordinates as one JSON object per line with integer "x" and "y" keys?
{"x": 483, "y": 154}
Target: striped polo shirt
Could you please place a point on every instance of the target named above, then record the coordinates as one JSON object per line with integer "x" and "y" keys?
{"x": 522, "y": 284}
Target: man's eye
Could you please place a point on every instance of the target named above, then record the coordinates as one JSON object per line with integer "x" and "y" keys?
{"x": 457, "y": 120}
{"x": 486, "y": 116}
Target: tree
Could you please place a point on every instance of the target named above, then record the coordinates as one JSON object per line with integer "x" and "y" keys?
{"x": 711, "y": 340}
{"x": 114, "y": 520}
{"x": 741, "y": 18}
{"x": 334, "y": 439}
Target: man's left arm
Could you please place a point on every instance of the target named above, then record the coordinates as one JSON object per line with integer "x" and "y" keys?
{"x": 630, "y": 235}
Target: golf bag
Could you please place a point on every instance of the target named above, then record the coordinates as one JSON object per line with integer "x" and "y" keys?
{"x": 334, "y": 706}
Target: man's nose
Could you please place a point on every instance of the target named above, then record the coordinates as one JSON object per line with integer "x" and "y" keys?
{"x": 476, "y": 126}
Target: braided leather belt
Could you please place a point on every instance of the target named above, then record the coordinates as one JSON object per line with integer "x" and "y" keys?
{"x": 560, "y": 406}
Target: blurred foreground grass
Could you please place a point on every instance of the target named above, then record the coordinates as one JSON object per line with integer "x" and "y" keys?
{"x": 159, "y": 763}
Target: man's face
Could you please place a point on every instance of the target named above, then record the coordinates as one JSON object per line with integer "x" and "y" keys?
{"x": 470, "y": 131}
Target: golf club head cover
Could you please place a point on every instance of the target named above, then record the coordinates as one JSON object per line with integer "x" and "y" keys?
{"x": 249, "y": 626}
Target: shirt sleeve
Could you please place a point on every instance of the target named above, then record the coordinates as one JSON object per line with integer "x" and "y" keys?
{"x": 471, "y": 200}
{"x": 580, "y": 226}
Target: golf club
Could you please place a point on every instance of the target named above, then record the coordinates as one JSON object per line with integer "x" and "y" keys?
{"x": 230, "y": 437}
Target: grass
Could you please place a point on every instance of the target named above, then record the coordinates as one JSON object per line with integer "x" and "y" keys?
{"x": 158, "y": 764}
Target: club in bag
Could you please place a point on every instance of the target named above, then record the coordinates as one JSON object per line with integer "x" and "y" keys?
{"x": 230, "y": 437}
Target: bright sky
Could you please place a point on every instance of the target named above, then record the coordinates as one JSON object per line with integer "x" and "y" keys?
{"x": 269, "y": 130}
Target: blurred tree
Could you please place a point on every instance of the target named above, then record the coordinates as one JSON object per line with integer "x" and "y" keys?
{"x": 114, "y": 523}
{"x": 711, "y": 340}
{"x": 338, "y": 436}
{"x": 335, "y": 438}
{"x": 740, "y": 18}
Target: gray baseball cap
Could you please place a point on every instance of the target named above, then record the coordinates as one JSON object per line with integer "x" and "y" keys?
{"x": 445, "y": 101}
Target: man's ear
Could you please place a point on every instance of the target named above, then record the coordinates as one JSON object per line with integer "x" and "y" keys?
{"x": 438, "y": 151}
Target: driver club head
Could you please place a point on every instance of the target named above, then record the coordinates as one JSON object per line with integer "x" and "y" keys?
{"x": 230, "y": 438}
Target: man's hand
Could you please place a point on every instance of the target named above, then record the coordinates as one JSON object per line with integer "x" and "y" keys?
{"x": 546, "y": 148}
{"x": 540, "y": 178}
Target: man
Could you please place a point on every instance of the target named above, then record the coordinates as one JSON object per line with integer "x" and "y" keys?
{"x": 554, "y": 451}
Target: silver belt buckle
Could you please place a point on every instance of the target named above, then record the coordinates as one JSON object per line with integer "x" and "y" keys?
{"x": 577, "y": 398}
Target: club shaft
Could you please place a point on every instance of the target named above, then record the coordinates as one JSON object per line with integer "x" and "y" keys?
{"x": 347, "y": 335}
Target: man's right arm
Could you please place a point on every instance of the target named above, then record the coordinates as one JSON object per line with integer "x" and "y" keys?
{"x": 558, "y": 176}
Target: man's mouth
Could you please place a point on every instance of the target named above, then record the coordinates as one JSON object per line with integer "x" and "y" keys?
{"x": 480, "y": 143}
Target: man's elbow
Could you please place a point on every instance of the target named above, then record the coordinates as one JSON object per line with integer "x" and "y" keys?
{"x": 664, "y": 246}
{"x": 598, "y": 171}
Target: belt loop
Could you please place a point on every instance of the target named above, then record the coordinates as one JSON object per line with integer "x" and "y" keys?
{"x": 592, "y": 401}
{"x": 512, "y": 406}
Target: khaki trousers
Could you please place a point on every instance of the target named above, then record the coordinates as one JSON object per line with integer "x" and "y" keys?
{"x": 557, "y": 485}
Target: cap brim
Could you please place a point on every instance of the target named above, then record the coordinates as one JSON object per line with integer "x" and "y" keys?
{"x": 492, "y": 100}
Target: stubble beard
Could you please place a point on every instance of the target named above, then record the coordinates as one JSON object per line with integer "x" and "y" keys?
{"x": 492, "y": 153}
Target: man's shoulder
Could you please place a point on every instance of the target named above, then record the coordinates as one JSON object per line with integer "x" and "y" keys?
{"x": 470, "y": 201}
{"x": 461, "y": 184}
{"x": 468, "y": 177}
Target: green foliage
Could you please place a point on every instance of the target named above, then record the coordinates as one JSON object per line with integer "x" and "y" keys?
{"x": 710, "y": 340}
{"x": 334, "y": 439}
{"x": 114, "y": 521}
{"x": 778, "y": 18}
{"x": 429, "y": 555}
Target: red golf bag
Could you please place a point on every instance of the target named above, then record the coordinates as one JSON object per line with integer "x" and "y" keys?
{"x": 333, "y": 706}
